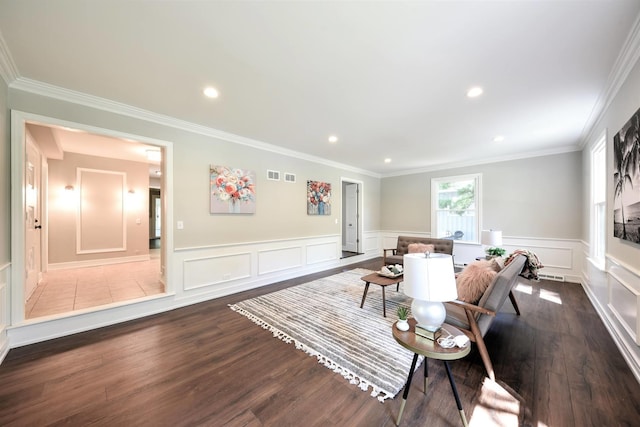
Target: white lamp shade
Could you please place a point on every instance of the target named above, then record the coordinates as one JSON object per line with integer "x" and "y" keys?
{"x": 429, "y": 279}
{"x": 491, "y": 238}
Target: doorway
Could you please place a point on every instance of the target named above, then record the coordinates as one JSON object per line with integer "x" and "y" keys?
{"x": 155, "y": 218}
{"x": 351, "y": 217}
{"x": 75, "y": 267}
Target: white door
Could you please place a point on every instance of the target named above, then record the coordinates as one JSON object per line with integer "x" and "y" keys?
{"x": 158, "y": 216}
{"x": 33, "y": 223}
{"x": 351, "y": 218}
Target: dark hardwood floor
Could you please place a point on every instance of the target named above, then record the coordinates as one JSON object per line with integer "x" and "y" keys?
{"x": 207, "y": 365}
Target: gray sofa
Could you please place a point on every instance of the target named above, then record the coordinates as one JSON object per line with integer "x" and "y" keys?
{"x": 394, "y": 255}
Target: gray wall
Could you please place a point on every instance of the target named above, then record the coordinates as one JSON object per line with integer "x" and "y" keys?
{"x": 5, "y": 177}
{"x": 622, "y": 107}
{"x": 281, "y": 207}
{"x": 535, "y": 197}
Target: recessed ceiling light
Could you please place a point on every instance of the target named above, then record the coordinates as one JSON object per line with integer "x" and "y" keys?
{"x": 474, "y": 92}
{"x": 387, "y": 160}
{"x": 211, "y": 92}
{"x": 333, "y": 139}
{"x": 498, "y": 138}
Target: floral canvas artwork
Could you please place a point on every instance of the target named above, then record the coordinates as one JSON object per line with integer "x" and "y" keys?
{"x": 318, "y": 198}
{"x": 626, "y": 181}
{"x": 232, "y": 190}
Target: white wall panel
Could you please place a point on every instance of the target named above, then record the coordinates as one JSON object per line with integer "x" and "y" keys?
{"x": 623, "y": 303}
{"x": 207, "y": 271}
{"x": 615, "y": 294}
{"x": 624, "y": 298}
{"x": 279, "y": 259}
{"x": 371, "y": 243}
{"x": 4, "y": 306}
{"x": 322, "y": 252}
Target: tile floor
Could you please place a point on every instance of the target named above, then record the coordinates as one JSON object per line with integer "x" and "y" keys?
{"x": 63, "y": 291}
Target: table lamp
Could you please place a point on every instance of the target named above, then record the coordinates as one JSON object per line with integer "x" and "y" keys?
{"x": 429, "y": 279}
{"x": 491, "y": 239}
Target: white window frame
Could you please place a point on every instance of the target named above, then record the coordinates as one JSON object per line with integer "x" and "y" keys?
{"x": 478, "y": 205}
{"x": 598, "y": 202}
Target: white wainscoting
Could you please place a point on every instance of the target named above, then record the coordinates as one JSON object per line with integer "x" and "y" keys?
{"x": 203, "y": 273}
{"x": 560, "y": 257}
{"x": 371, "y": 243}
{"x": 5, "y": 272}
{"x": 615, "y": 295}
{"x": 214, "y": 271}
{"x": 323, "y": 252}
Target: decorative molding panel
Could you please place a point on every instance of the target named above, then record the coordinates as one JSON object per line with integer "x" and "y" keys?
{"x": 322, "y": 252}
{"x": 207, "y": 271}
{"x": 101, "y": 225}
{"x": 279, "y": 259}
{"x": 371, "y": 243}
{"x": 624, "y": 299}
{"x": 555, "y": 257}
{"x": 4, "y": 307}
{"x": 615, "y": 295}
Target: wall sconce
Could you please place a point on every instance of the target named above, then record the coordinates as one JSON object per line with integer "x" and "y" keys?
{"x": 132, "y": 191}
{"x": 68, "y": 188}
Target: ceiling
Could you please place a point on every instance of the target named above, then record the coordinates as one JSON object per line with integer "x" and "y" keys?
{"x": 389, "y": 79}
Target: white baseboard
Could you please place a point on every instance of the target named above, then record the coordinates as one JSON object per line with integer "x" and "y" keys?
{"x": 97, "y": 262}
{"x": 4, "y": 346}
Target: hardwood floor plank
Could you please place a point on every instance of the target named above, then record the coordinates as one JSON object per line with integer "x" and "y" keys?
{"x": 206, "y": 365}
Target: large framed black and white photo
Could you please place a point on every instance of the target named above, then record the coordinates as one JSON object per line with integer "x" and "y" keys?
{"x": 626, "y": 181}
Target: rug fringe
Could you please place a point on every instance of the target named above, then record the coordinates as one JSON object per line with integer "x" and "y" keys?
{"x": 362, "y": 384}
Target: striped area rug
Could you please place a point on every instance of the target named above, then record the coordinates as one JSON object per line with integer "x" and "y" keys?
{"x": 324, "y": 319}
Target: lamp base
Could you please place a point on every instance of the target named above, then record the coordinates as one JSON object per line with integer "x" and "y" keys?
{"x": 432, "y": 335}
{"x": 429, "y": 315}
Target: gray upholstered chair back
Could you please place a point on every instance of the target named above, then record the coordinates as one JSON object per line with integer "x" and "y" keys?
{"x": 496, "y": 294}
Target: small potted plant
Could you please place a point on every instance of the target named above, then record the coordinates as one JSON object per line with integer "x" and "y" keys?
{"x": 495, "y": 252}
{"x": 403, "y": 313}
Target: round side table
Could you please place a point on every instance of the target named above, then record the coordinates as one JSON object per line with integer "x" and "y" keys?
{"x": 432, "y": 350}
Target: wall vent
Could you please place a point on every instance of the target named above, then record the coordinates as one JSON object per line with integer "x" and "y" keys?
{"x": 273, "y": 175}
{"x": 289, "y": 177}
{"x": 555, "y": 277}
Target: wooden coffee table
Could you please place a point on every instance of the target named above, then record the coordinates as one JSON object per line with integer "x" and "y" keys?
{"x": 381, "y": 281}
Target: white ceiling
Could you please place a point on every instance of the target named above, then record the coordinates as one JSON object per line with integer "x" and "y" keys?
{"x": 388, "y": 78}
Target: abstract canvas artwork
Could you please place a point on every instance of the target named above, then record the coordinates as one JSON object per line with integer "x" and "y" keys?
{"x": 318, "y": 198}
{"x": 232, "y": 190}
{"x": 626, "y": 181}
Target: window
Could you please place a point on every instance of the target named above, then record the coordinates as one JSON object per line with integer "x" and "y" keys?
{"x": 455, "y": 207}
{"x": 598, "y": 200}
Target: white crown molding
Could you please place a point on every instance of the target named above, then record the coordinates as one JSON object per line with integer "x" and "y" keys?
{"x": 625, "y": 62}
{"x": 8, "y": 69}
{"x": 453, "y": 165}
{"x": 56, "y": 92}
